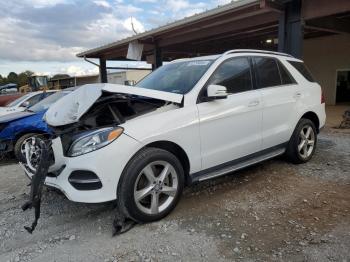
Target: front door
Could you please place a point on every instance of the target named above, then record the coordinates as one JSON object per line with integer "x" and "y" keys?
{"x": 231, "y": 128}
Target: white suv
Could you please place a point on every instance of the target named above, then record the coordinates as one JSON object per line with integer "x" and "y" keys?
{"x": 190, "y": 120}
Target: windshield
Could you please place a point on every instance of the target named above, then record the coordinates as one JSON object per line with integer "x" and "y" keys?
{"x": 178, "y": 77}
{"x": 47, "y": 102}
{"x": 18, "y": 101}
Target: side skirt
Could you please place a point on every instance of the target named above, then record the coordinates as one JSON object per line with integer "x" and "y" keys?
{"x": 238, "y": 164}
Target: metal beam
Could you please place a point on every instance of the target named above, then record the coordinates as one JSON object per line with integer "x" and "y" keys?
{"x": 222, "y": 29}
{"x": 103, "y": 71}
{"x": 128, "y": 68}
{"x": 320, "y": 8}
{"x": 329, "y": 24}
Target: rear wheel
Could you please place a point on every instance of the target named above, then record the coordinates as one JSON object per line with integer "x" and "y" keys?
{"x": 151, "y": 185}
{"x": 302, "y": 144}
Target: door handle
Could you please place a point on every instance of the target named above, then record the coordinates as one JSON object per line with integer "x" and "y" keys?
{"x": 253, "y": 103}
{"x": 297, "y": 95}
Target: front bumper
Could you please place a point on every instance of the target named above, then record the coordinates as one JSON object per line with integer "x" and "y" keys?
{"x": 107, "y": 163}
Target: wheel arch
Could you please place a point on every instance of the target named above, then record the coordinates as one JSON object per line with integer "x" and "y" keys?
{"x": 23, "y": 133}
{"x": 176, "y": 150}
{"x": 314, "y": 118}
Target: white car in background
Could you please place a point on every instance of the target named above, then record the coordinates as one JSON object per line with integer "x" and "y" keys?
{"x": 24, "y": 102}
{"x": 190, "y": 120}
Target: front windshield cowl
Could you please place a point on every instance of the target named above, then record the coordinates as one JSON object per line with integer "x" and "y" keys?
{"x": 176, "y": 77}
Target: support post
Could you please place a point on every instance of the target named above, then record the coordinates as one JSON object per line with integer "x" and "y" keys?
{"x": 291, "y": 29}
{"x": 282, "y": 32}
{"x": 158, "y": 58}
{"x": 103, "y": 70}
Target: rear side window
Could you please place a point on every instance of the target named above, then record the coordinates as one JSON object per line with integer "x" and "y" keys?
{"x": 267, "y": 72}
{"x": 302, "y": 70}
{"x": 234, "y": 74}
{"x": 286, "y": 77}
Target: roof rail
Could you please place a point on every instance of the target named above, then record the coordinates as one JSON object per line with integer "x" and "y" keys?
{"x": 255, "y": 51}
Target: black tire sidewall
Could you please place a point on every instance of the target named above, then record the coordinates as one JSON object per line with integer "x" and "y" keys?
{"x": 125, "y": 193}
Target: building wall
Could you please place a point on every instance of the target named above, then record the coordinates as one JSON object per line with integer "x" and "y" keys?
{"x": 87, "y": 80}
{"x": 324, "y": 56}
{"x": 116, "y": 78}
{"x": 121, "y": 77}
{"x": 136, "y": 75}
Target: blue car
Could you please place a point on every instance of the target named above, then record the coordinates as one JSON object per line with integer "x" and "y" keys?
{"x": 17, "y": 127}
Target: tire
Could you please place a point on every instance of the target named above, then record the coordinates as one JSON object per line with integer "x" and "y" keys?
{"x": 301, "y": 148}
{"x": 140, "y": 185}
{"x": 18, "y": 144}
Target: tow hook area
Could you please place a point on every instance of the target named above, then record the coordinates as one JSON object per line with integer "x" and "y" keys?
{"x": 36, "y": 159}
{"x": 38, "y": 179}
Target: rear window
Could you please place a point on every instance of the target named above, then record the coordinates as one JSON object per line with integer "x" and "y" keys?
{"x": 302, "y": 70}
{"x": 286, "y": 77}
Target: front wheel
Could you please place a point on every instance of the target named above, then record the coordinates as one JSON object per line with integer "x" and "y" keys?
{"x": 151, "y": 185}
{"x": 302, "y": 144}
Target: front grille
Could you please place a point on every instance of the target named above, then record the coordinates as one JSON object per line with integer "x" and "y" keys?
{"x": 84, "y": 180}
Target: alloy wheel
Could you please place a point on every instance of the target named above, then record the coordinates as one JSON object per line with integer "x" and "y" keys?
{"x": 156, "y": 187}
{"x": 306, "y": 141}
{"x": 31, "y": 152}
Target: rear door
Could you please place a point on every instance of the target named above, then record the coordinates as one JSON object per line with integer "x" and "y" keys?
{"x": 230, "y": 128}
{"x": 280, "y": 94}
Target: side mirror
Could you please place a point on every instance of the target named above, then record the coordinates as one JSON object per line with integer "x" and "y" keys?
{"x": 216, "y": 92}
{"x": 25, "y": 104}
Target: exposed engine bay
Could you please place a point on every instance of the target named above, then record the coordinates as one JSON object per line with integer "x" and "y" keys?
{"x": 108, "y": 110}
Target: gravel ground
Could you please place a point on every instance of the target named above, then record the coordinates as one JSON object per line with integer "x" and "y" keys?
{"x": 273, "y": 211}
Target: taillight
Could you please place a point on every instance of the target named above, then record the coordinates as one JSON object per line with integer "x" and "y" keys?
{"x": 323, "y": 99}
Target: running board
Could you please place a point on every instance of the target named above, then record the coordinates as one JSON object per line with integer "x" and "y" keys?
{"x": 237, "y": 164}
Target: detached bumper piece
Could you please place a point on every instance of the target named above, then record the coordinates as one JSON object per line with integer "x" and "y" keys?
{"x": 84, "y": 180}
{"x": 37, "y": 184}
{"x": 6, "y": 146}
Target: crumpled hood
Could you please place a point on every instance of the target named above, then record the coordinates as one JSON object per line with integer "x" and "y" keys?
{"x": 73, "y": 106}
{"x": 15, "y": 116}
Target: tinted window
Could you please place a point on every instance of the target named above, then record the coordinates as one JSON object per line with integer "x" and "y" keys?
{"x": 234, "y": 74}
{"x": 286, "y": 77}
{"x": 46, "y": 94}
{"x": 47, "y": 102}
{"x": 267, "y": 72}
{"x": 302, "y": 70}
{"x": 33, "y": 100}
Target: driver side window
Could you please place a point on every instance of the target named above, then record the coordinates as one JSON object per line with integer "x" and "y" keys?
{"x": 234, "y": 74}
{"x": 33, "y": 100}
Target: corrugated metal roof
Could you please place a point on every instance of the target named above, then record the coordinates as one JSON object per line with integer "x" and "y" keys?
{"x": 172, "y": 25}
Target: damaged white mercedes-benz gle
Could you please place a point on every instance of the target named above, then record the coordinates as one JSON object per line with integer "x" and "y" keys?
{"x": 190, "y": 120}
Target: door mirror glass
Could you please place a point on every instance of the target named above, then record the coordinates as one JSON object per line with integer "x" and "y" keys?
{"x": 217, "y": 92}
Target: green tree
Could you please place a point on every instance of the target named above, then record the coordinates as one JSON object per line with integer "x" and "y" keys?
{"x": 59, "y": 76}
{"x": 22, "y": 79}
{"x": 12, "y": 78}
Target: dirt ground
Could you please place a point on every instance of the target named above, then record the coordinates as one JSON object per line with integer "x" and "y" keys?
{"x": 274, "y": 211}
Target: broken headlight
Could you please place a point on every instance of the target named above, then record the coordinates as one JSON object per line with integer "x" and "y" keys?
{"x": 94, "y": 140}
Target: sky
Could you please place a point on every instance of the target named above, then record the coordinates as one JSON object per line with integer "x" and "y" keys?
{"x": 44, "y": 36}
